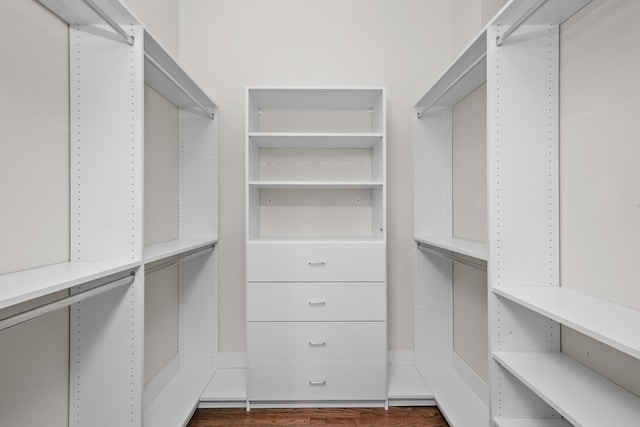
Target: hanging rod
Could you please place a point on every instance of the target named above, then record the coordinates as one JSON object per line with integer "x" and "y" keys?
{"x": 519, "y": 22}
{"x": 455, "y": 82}
{"x": 22, "y": 317}
{"x": 178, "y": 85}
{"x": 113, "y": 24}
{"x": 452, "y": 256}
{"x": 182, "y": 258}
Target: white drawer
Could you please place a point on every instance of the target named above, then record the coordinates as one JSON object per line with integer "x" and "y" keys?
{"x": 317, "y": 381}
{"x": 316, "y": 262}
{"x": 309, "y": 302}
{"x": 320, "y": 341}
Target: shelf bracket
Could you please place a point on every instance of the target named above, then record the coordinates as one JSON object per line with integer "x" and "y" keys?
{"x": 453, "y": 256}
{"x": 501, "y": 39}
{"x": 23, "y": 316}
{"x": 181, "y": 258}
{"x": 113, "y": 24}
{"x": 178, "y": 85}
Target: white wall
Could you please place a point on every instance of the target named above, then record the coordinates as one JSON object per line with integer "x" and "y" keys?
{"x": 599, "y": 184}
{"x": 34, "y": 219}
{"x": 228, "y": 45}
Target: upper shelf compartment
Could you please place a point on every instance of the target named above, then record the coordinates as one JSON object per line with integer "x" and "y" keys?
{"x": 316, "y": 110}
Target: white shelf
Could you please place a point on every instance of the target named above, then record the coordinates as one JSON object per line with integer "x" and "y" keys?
{"x": 456, "y": 400}
{"x": 344, "y": 185}
{"x": 168, "y": 85}
{"x": 466, "y": 73}
{"x": 317, "y": 239}
{"x": 315, "y": 140}
{"x": 582, "y": 396}
{"x": 179, "y": 400}
{"x": 614, "y": 325}
{"x": 316, "y": 98}
{"x": 170, "y": 248}
{"x": 406, "y": 384}
{"x": 26, "y": 285}
{"x": 460, "y": 246}
{"x": 530, "y": 422}
{"x": 226, "y": 385}
{"x": 553, "y": 11}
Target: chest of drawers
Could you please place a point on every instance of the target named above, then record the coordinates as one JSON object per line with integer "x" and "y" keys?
{"x": 316, "y": 322}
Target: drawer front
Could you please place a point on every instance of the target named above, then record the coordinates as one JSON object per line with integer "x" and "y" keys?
{"x": 316, "y": 262}
{"x": 309, "y": 302}
{"x": 309, "y": 341}
{"x": 317, "y": 381}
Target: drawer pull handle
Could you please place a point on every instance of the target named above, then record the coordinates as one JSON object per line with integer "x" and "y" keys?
{"x": 317, "y": 343}
{"x": 317, "y": 263}
{"x": 317, "y": 383}
{"x": 317, "y": 303}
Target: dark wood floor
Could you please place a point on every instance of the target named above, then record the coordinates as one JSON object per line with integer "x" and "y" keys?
{"x": 359, "y": 417}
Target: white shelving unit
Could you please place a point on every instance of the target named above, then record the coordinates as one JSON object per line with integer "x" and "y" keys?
{"x": 531, "y": 382}
{"x": 315, "y": 245}
{"x": 459, "y": 392}
{"x": 109, "y": 66}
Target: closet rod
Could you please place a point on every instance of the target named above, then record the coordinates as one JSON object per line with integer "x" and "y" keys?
{"x": 519, "y": 22}
{"x": 64, "y": 302}
{"x": 180, "y": 259}
{"x": 178, "y": 85}
{"x": 452, "y": 256}
{"x": 113, "y": 24}
{"x": 455, "y": 82}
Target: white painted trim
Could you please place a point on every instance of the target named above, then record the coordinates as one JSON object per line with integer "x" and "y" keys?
{"x": 230, "y": 360}
{"x": 469, "y": 376}
{"x": 160, "y": 382}
{"x": 400, "y": 358}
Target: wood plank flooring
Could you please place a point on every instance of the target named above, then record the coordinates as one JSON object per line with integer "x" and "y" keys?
{"x": 339, "y": 417}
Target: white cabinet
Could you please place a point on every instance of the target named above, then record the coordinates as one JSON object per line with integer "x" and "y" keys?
{"x": 316, "y": 247}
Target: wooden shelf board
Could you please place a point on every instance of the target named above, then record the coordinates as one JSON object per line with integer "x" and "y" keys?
{"x": 470, "y": 248}
{"x": 26, "y": 285}
{"x": 159, "y": 251}
{"x": 346, "y": 185}
{"x": 315, "y": 140}
{"x": 614, "y": 325}
{"x": 179, "y": 400}
{"x": 530, "y": 422}
{"x": 456, "y": 400}
{"x": 576, "y": 392}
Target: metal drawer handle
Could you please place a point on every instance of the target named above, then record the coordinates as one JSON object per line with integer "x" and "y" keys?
{"x": 317, "y": 263}
{"x": 317, "y": 383}
{"x": 317, "y": 343}
{"x": 317, "y": 303}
